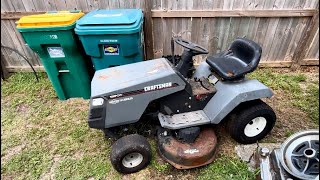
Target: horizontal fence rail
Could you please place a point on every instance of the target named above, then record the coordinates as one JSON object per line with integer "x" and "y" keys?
{"x": 233, "y": 13}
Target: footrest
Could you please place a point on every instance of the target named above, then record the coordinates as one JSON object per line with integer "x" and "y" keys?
{"x": 183, "y": 120}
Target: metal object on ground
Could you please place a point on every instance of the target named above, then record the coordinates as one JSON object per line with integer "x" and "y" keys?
{"x": 188, "y": 155}
{"x": 265, "y": 152}
{"x": 297, "y": 158}
{"x": 269, "y": 164}
{"x": 265, "y": 164}
{"x": 300, "y": 154}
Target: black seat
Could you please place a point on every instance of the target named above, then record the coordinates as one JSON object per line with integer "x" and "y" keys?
{"x": 242, "y": 57}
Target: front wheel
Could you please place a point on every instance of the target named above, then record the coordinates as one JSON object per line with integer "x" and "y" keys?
{"x": 251, "y": 122}
{"x": 130, "y": 154}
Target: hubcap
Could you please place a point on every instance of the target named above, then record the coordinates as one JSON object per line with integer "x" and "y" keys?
{"x": 300, "y": 154}
{"x": 255, "y": 126}
{"x": 132, "y": 160}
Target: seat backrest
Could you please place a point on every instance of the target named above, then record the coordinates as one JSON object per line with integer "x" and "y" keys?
{"x": 246, "y": 50}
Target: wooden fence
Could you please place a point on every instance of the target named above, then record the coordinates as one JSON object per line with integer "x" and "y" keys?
{"x": 287, "y": 30}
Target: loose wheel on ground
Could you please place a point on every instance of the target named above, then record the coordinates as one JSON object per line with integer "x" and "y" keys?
{"x": 251, "y": 122}
{"x": 130, "y": 154}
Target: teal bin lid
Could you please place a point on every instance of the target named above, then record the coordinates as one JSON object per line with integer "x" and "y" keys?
{"x": 115, "y": 21}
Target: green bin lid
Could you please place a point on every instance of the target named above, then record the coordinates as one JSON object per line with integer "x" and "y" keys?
{"x": 115, "y": 21}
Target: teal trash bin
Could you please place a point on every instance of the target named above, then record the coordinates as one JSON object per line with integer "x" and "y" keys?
{"x": 112, "y": 37}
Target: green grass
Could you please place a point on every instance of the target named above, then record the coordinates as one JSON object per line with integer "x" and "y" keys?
{"x": 84, "y": 168}
{"x": 309, "y": 102}
{"x": 227, "y": 168}
{"x": 279, "y": 81}
{"x": 46, "y": 128}
{"x": 28, "y": 164}
{"x": 34, "y": 117}
{"x": 306, "y": 100}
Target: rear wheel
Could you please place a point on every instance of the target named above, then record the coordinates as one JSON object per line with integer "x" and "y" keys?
{"x": 251, "y": 122}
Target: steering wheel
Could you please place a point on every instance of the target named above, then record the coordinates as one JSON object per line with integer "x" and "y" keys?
{"x": 195, "y": 48}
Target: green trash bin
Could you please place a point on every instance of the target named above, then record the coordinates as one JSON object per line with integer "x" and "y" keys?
{"x": 51, "y": 36}
{"x": 112, "y": 37}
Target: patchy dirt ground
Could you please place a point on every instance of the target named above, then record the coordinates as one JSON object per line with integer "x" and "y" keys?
{"x": 44, "y": 138}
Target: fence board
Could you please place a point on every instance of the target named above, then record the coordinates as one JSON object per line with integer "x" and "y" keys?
{"x": 6, "y": 40}
{"x": 22, "y": 43}
{"x": 29, "y": 6}
{"x": 272, "y": 28}
{"x": 82, "y": 5}
{"x": 313, "y": 51}
{"x": 157, "y": 38}
{"x": 148, "y": 30}
{"x": 6, "y": 6}
{"x": 50, "y": 5}
{"x": 233, "y": 25}
{"x": 306, "y": 41}
{"x": 18, "y": 5}
{"x": 280, "y": 33}
{"x": 277, "y": 25}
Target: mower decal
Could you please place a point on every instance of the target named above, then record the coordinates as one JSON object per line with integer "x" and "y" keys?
{"x": 191, "y": 151}
{"x": 140, "y": 91}
{"x": 158, "y": 86}
{"x": 116, "y": 101}
{"x": 116, "y": 96}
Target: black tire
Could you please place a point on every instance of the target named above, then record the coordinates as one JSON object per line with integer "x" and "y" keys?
{"x": 244, "y": 114}
{"x": 126, "y": 145}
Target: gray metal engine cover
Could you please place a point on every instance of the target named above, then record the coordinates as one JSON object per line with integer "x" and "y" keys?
{"x": 128, "y": 89}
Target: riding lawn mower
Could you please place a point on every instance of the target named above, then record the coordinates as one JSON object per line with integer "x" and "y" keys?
{"x": 186, "y": 101}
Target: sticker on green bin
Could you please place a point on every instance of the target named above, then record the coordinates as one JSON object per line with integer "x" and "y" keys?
{"x": 111, "y": 49}
{"x": 56, "y": 52}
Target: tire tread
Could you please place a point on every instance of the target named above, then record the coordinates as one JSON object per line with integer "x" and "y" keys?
{"x": 126, "y": 145}
{"x": 238, "y": 118}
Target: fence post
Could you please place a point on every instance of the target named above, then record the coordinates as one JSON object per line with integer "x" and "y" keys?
{"x": 305, "y": 42}
{"x": 148, "y": 29}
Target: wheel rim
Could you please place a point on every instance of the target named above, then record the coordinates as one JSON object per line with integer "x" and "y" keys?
{"x": 255, "y": 126}
{"x": 132, "y": 160}
{"x": 300, "y": 154}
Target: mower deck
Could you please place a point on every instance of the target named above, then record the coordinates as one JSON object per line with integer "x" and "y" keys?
{"x": 184, "y": 155}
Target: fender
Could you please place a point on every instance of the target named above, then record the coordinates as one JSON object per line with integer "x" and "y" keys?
{"x": 230, "y": 94}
